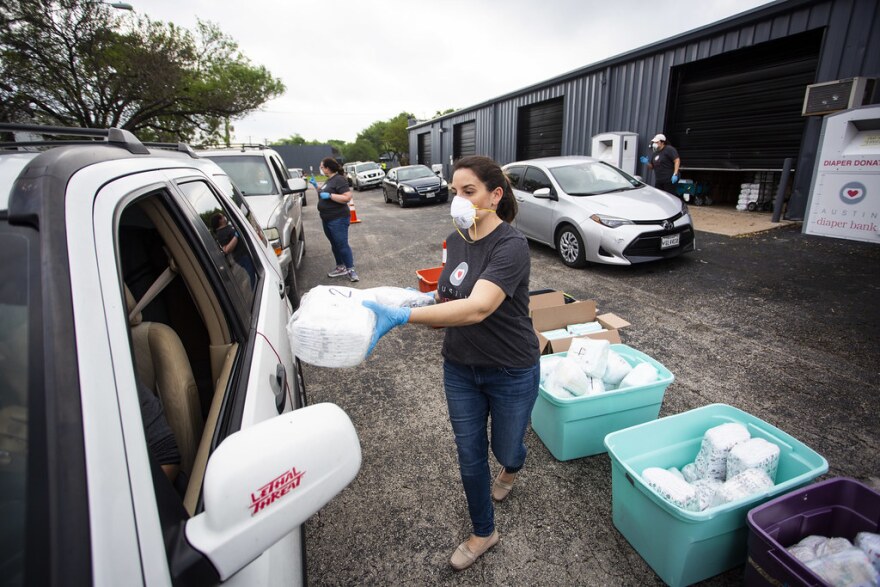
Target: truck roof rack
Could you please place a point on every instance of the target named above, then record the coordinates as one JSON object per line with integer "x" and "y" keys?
{"x": 114, "y": 136}
{"x": 237, "y": 146}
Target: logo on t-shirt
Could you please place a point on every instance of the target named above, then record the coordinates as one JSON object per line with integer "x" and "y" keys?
{"x": 458, "y": 275}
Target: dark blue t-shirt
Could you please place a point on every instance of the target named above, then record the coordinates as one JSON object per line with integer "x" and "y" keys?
{"x": 328, "y": 209}
{"x": 505, "y": 338}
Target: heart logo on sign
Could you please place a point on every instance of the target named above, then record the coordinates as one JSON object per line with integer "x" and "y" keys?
{"x": 852, "y": 193}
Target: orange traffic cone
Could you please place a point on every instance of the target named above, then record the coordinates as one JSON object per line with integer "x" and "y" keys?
{"x": 444, "y": 254}
{"x": 354, "y": 216}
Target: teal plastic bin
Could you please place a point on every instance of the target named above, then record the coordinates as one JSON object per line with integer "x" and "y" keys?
{"x": 685, "y": 547}
{"x": 575, "y": 427}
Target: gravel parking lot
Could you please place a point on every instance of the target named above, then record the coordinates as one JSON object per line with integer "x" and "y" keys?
{"x": 781, "y": 325}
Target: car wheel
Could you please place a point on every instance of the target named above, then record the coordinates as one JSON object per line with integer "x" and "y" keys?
{"x": 385, "y": 196}
{"x": 299, "y": 385}
{"x": 400, "y": 199}
{"x": 300, "y": 249}
{"x": 570, "y": 246}
{"x": 290, "y": 286}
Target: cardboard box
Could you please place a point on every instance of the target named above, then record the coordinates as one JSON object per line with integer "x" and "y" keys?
{"x": 549, "y": 312}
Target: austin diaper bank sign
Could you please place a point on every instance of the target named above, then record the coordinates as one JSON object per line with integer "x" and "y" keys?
{"x": 845, "y": 200}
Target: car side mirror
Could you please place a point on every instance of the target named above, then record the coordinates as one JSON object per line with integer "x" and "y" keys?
{"x": 543, "y": 193}
{"x": 297, "y": 184}
{"x": 263, "y": 482}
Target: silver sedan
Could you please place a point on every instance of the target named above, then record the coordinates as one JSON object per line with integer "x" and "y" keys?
{"x": 590, "y": 211}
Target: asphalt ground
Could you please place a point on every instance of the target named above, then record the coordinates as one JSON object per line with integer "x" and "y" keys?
{"x": 782, "y": 325}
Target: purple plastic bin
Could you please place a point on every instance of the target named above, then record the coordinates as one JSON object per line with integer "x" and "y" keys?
{"x": 836, "y": 508}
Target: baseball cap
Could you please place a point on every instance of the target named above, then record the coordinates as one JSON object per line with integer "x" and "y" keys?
{"x": 659, "y": 137}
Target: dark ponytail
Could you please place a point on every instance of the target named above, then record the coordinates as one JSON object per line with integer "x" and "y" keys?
{"x": 490, "y": 173}
{"x": 331, "y": 164}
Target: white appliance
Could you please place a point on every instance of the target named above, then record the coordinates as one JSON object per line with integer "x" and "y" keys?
{"x": 616, "y": 148}
{"x": 845, "y": 192}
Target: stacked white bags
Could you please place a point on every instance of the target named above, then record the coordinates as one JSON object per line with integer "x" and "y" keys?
{"x": 332, "y": 328}
{"x": 840, "y": 563}
{"x": 748, "y": 193}
{"x": 591, "y": 367}
{"x": 730, "y": 466}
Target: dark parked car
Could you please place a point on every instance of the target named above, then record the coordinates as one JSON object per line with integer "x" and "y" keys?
{"x": 413, "y": 184}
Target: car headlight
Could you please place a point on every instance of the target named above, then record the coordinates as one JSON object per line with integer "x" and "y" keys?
{"x": 684, "y": 208}
{"x": 271, "y": 233}
{"x": 443, "y": 183}
{"x": 409, "y": 189}
{"x": 610, "y": 221}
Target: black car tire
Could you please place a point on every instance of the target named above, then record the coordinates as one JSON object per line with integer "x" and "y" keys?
{"x": 300, "y": 249}
{"x": 400, "y": 199}
{"x": 385, "y": 195}
{"x": 290, "y": 286}
{"x": 570, "y": 246}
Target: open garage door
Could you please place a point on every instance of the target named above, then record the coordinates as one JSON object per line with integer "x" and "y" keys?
{"x": 464, "y": 139}
{"x": 424, "y": 148}
{"x": 742, "y": 110}
{"x": 539, "y": 131}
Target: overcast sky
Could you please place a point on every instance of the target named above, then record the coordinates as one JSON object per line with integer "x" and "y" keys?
{"x": 349, "y": 63}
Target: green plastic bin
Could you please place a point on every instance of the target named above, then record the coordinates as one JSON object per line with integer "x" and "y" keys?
{"x": 575, "y": 427}
{"x": 685, "y": 547}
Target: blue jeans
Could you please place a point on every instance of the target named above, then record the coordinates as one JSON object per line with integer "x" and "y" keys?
{"x": 472, "y": 395}
{"x": 336, "y": 231}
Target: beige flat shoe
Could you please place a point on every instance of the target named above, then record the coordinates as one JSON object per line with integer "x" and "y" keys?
{"x": 500, "y": 488}
{"x": 463, "y": 557}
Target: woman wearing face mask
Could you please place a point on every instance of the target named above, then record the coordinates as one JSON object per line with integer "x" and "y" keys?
{"x": 333, "y": 199}
{"x": 490, "y": 351}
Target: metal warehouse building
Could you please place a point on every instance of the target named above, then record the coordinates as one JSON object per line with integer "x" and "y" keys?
{"x": 728, "y": 96}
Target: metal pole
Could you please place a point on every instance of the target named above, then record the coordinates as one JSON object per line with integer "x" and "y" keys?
{"x": 780, "y": 189}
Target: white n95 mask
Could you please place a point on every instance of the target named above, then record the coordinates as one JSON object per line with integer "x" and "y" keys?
{"x": 463, "y": 212}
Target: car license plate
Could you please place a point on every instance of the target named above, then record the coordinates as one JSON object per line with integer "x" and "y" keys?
{"x": 667, "y": 242}
{"x": 430, "y": 195}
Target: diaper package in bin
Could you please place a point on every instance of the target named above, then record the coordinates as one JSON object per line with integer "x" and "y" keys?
{"x": 869, "y": 542}
{"x": 591, "y": 355}
{"x": 641, "y": 374}
{"x": 711, "y": 461}
{"x": 567, "y": 379}
{"x": 331, "y": 327}
{"x": 755, "y": 453}
{"x": 616, "y": 369}
{"x": 749, "y": 482}
{"x": 836, "y": 560}
{"x": 672, "y": 488}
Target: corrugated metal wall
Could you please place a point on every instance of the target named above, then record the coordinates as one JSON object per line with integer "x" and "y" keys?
{"x": 629, "y": 92}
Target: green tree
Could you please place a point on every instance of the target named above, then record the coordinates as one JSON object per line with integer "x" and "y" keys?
{"x": 80, "y": 63}
{"x": 360, "y": 150}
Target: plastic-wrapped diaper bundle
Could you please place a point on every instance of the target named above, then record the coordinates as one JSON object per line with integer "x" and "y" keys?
{"x": 749, "y": 482}
{"x": 548, "y": 365}
{"x": 398, "y": 296}
{"x": 755, "y": 453}
{"x": 616, "y": 369}
{"x": 870, "y": 544}
{"x": 585, "y": 328}
{"x": 641, "y": 374}
{"x": 590, "y": 354}
{"x": 672, "y": 488}
{"x": 567, "y": 379}
{"x": 837, "y": 561}
{"x": 711, "y": 461}
{"x": 331, "y": 328}
{"x": 555, "y": 334}
{"x": 706, "y": 489}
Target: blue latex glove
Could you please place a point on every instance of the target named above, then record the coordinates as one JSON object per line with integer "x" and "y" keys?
{"x": 325, "y": 195}
{"x": 644, "y": 159}
{"x": 387, "y": 317}
{"x": 674, "y": 179}
{"x": 313, "y": 182}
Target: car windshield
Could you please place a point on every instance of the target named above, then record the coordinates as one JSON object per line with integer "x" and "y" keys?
{"x": 414, "y": 173}
{"x": 591, "y": 178}
{"x": 251, "y": 174}
{"x": 366, "y": 167}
